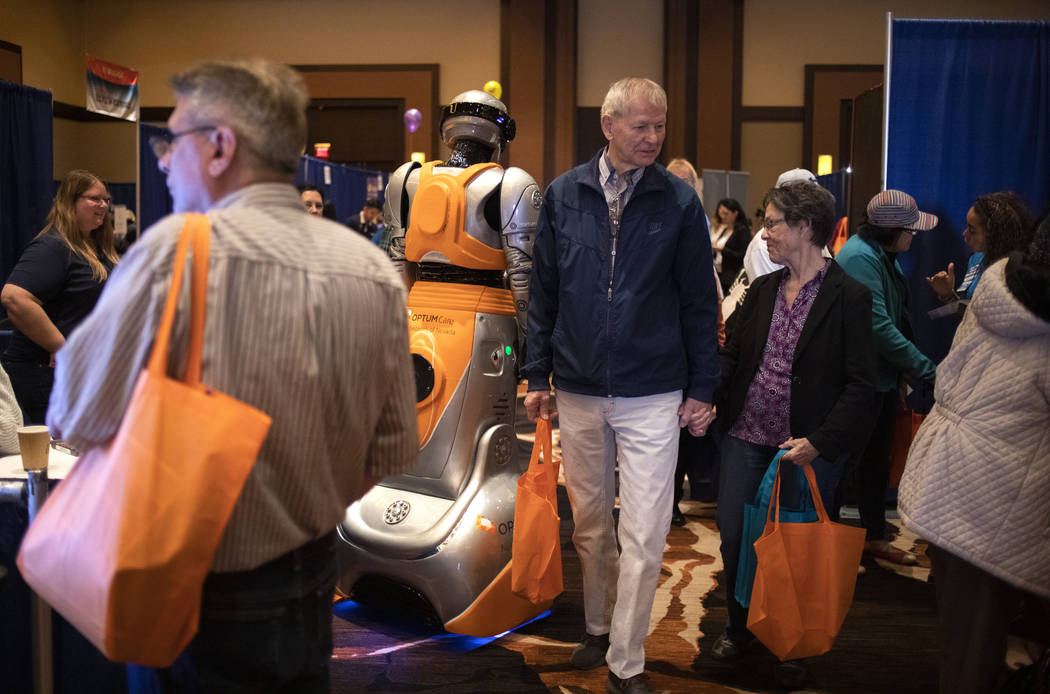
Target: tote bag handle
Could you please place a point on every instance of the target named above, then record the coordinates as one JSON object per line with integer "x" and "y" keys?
{"x": 772, "y": 524}
{"x": 195, "y": 237}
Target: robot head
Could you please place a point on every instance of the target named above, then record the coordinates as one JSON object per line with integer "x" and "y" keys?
{"x": 476, "y": 116}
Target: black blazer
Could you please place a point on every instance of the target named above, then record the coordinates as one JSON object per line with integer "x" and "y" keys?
{"x": 833, "y": 370}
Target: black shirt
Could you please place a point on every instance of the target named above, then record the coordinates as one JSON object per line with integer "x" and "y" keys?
{"x": 62, "y": 280}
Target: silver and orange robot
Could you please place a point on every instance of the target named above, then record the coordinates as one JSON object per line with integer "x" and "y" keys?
{"x": 462, "y": 233}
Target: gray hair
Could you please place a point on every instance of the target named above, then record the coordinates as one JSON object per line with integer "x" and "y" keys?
{"x": 800, "y": 201}
{"x": 263, "y": 102}
{"x": 623, "y": 92}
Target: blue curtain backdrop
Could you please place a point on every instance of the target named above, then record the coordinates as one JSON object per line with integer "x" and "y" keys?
{"x": 26, "y": 162}
{"x": 349, "y": 186}
{"x": 969, "y": 114}
{"x": 837, "y": 183}
{"x": 156, "y": 201}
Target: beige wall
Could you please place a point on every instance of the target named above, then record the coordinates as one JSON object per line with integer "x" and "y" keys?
{"x": 105, "y": 149}
{"x": 617, "y": 38}
{"x": 780, "y": 38}
{"x": 51, "y": 36}
{"x": 766, "y": 151}
{"x": 158, "y": 37}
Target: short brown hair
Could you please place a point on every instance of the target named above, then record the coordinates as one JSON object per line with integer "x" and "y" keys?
{"x": 805, "y": 202}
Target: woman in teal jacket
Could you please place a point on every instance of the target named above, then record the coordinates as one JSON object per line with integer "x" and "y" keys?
{"x": 870, "y": 257}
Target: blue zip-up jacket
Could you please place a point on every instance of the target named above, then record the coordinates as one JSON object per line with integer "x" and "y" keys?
{"x": 655, "y": 331}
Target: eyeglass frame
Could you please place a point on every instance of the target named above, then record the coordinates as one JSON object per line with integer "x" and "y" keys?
{"x": 166, "y": 140}
{"x": 776, "y": 222}
{"x": 96, "y": 200}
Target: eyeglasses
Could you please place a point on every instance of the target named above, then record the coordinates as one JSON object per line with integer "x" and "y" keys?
{"x": 161, "y": 144}
{"x": 98, "y": 200}
{"x": 770, "y": 223}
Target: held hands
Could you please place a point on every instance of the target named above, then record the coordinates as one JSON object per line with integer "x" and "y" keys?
{"x": 944, "y": 283}
{"x": 799, "y": 451}
{"x": 696, "y": 415}
{"x": 538, "y": 405}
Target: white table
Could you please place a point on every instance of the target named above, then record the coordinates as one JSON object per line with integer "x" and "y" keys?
{"x": 59, "y": 464}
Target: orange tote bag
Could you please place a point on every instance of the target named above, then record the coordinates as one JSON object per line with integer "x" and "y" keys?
{"x": 122, "y": 546}
{"x": 804, "y": 581}
{"x": 536, "y": 553}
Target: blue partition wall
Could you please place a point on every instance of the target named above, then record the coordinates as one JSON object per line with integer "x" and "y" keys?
{"x": 26, "y": 162}
{"x": 347, "y": 187}
{"x": 154, "y": 196}
{"x": 969, "y": 113}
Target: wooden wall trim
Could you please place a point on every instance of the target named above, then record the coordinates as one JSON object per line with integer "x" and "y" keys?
{"x": 772, "y": 114}
{"x": 434, "y": 70}
{"x": 809, "y": 100}
{"x": 562, "y": 138}
{"x": 15, "y": 50}
{"x": 714, "y": 84}
{"x": 811, "y": 71}
{"x": 538, "y": 70}
{"x": 153, "y": 114}
{"x": 738, "y": 80}
{"x": 60, "y": 109}
{"x": 550, "y": 72}
{"x": 681, "y": 78}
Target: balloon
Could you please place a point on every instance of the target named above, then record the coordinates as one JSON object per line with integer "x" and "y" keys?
{"x": 412, "y": 119}
{"x": 494, "y": 89}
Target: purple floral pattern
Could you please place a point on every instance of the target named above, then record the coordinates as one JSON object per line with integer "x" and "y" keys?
{"x": 766, "y": 417}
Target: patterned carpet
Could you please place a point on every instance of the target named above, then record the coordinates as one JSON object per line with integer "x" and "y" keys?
{"x": 887, "y": 644}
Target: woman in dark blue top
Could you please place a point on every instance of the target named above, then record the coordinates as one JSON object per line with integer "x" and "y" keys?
{"x": 55, "y": 285}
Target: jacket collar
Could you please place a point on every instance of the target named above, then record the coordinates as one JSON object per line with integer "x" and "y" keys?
{"x": 652, "y": 177}
{"x": 829, "y": 292}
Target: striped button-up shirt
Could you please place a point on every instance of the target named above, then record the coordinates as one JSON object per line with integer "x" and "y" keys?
{"x": 305, "y": 321}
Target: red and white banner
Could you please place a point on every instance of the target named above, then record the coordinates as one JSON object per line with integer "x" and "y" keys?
{"x": 112, "y": 89}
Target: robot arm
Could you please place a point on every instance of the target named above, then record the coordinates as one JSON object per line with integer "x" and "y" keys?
{"x": 520, "y": 201}
{"x": 399, "y": 191}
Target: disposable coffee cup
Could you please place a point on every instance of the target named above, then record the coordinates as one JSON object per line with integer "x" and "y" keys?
{"x": 34, "y": 442}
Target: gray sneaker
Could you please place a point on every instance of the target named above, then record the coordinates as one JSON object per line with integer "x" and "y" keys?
{"x": 590, "y": 652}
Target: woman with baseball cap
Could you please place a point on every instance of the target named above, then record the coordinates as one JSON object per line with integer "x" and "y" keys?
{"x": 870, "y": 257}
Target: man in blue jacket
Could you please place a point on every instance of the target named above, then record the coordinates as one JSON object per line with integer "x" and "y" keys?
{"x": 622, "y": 312}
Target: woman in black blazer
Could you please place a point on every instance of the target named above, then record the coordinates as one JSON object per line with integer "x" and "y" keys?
{"x": 797, "y": 374}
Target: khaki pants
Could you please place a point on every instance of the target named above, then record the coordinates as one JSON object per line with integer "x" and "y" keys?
{"x": 641, "y": 435}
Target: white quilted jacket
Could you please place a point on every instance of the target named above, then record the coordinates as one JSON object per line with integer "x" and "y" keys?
{"x": 977, "y": 482}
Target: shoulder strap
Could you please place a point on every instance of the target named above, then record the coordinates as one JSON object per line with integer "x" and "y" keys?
{"x": 194, "y": 237}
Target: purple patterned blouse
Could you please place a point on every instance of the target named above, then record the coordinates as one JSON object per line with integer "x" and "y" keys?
{"x": 766, "y": 417}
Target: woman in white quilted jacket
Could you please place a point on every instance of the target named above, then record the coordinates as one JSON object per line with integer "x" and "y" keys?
{"x": 977, "y": 482}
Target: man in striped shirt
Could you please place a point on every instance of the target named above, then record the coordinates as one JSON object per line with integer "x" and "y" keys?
{"x": 304, "y": 322}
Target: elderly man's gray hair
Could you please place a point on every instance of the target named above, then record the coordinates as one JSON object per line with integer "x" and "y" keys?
{"x": 263, "y": 102}
{"x": 623, "y": 92}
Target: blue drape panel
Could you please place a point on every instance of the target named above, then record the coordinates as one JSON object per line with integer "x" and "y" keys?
{"x": 348, "y": 190}
{"x": 837, "y": 183}
{"x": 969, "y": 114}
{"x": 350, "y": 186}
{"x": 156, "y": 200}
{"x": 26, "y": 163}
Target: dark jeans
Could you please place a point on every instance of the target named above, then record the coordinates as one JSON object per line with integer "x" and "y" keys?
{"x": 264, "y": 630}
{"x": 873, "y": 467}
{"x": 32, "y": 385}
{"x": 743, "y": 465}
{"x": 698, "y": 458}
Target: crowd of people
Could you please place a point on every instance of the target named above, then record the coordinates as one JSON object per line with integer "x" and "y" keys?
{"x": 624, "y": 322}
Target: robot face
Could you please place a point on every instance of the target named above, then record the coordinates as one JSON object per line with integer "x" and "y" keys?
{"x": 477, "y": 116}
